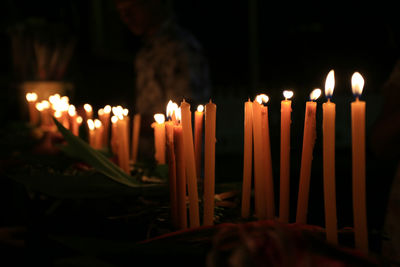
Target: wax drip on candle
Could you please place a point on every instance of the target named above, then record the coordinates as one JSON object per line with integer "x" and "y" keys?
{"x": 357, "y": 85}
{"x": 329, "y": 85}
{"x": 315, "y": 94}
{"x": 287, "y": 94}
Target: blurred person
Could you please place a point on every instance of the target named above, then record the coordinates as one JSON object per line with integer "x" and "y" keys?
{"x": 170, "y": 65}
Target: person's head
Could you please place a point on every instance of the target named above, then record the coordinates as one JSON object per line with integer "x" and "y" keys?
{"x": 143, "y": 17}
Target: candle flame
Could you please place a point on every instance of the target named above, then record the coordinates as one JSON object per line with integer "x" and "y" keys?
{"x": 107, "y": 109}
{"x": 58, "y": 114}
{"x": 54, "y": 98}
{"x": 71, "y": 110}
{"x": 114, "y": 119}
{"x": 159, "y": 118}
{"x": 171, "y": 109}
{"x": 39, "y": 106}
{"x": 118, "y": 111}
{"x": 90, "y": 123}
{"x": 79, "y": 119}
{"x": 125, "y": 112}
{"x": 88, "y": 107}
{"x": 97, "y": 123}
{"x": 315, "y": 94}
{"x": 262, "y": 98}
{"x": 287, "y": 94}
{"x": 65, "y": 99}
{"x": 178, "y": 114}
{"x": 200, "y": 108}
{"x": 31, "y": 97}
{"x": 100, "y": 112}
{"x": 330, "y": 84}
{"x": 357, "y": 84}
{"x": 45, "y": 104}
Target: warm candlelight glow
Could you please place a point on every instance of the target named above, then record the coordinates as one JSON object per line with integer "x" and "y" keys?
{"x": 118, "y": 111}
{"x": 79, "y": 119}
{"x": 88, "y": 107}
{"x": 45, "y": 104}
{"x": 357, "y": 84}
{"x": 97, "y": 123}
{"x": 64, "y": 99}
{"x": 31, "y": 97}
{"x": 100, "y": 112}
{"x": 330, "y": 84}
{"x": 58, "y": 114}
{"x": 71, "y": 110}
{"x": 114, "y": 119}
{"x": 125, "y": 112}
{"x": 287, "y": 94}
{"x": 315, "y": 94}
{"x": 171, "y": 109}
{"x": 178, "y": 114}
{"x": 262, "y": 98}
{"x": 39, "y": 106}
{"x": 54, "y": 98}
{"x": 90, "y": 123}
{"x": 107, "y": 109}
{"x": 159, "y": 118}
{"x": 200, "y": 108}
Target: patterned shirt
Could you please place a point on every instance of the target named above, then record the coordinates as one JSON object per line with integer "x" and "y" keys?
{"x": 170, "y": 66}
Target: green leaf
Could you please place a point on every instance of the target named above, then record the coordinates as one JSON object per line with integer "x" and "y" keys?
{"x": 80, "y": 149}
{"x": 86, "y": 184}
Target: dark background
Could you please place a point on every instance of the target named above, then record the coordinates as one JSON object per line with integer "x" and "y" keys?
{"x": 252, "y": 47}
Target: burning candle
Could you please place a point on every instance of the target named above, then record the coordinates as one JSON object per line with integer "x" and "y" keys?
{"x": 309, "y": 137}
{"x": 106, "y": 124}
{"x": 190, "y": 165}
{"x": 79, "y": 121}
{"x": 259, "y": 184}
{"x": 198, "y": 137}
{"x": 91, "y": 127}
{"x": 358, "y": 162}
{"x": 33, "y": 112}
{"x": 159, "y": 137}
{"x": 99, "y": 134}
{"x": 179, "y": 152}
{"x": 72, "y": 119}
{"x": 88, "y": 111}
{"x": 209, "y": 163}
{"x": 247, "y": 158}
{"x": 286, "y": 111}
{"x": 169, "y": 131}
{"x": 114, "y": 135}
{"x": 267, "y": 160}
{"x": 328, "y": 129}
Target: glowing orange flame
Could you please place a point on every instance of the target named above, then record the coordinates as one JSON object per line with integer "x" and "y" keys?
{"x": 357, "y": 84}
{"x": 315, "y": 94}
{"x": 330, "y": 84}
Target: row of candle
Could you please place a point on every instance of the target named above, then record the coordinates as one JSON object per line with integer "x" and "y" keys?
{"x": 98, "y": 129}
{"x": 174, "y": 138}
{"x": 257, "y": 144}
{"x": 174, "y": 144}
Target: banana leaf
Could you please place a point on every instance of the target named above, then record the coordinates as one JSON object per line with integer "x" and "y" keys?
{"x": 79, "y": 149}
{"x": 88, "y": 184}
